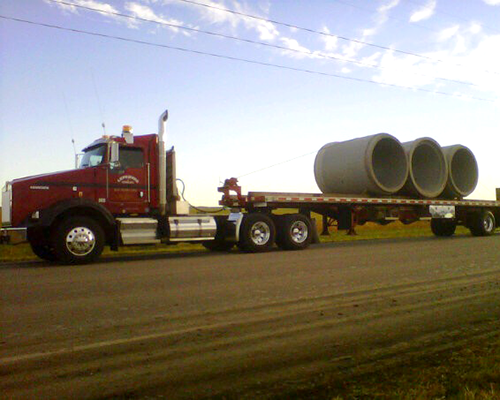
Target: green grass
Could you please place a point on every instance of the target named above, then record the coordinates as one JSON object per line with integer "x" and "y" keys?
{"x": 471, "y": 372}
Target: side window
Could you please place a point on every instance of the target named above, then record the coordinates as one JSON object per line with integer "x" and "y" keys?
{"x": 131, "y": 157}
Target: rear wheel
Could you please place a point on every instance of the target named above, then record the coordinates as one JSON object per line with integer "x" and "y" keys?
{"x": 294, "y": 232}
{"x": 443, "y": 226}
{"x": 78, "y": 240}
{"x": 257, "y": 233}
{"x": 482, "y": 223}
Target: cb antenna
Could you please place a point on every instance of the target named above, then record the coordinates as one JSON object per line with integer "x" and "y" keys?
{"x": 74, "y": 151}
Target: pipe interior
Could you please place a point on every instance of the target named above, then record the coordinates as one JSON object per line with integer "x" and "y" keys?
{"x": 428, "y": 168}
{"x": 464, "y": 171}
{"x": 389, "y": 164}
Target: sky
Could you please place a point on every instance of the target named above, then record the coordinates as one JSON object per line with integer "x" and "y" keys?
{"x": 252, "y": 92}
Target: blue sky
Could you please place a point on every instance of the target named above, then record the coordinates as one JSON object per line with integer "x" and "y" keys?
{"x": 230, "y": 118}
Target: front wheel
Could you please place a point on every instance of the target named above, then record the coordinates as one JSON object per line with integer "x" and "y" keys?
{"x": 78, "y": 240}
{"x": 257, "y": 233}
{"x": 43, "y": 251}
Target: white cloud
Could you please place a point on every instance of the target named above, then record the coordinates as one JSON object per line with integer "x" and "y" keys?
{"x": 492, "y": 2}
{"x": 352, "y": 49}
{"x": 299, "y": 51}
{"x": 330, "y": 42}
{"x": 463, "y": 60}
{"x": 99, "y": 5}
{"x": 475, "y": 28}
{"x": 448, "y": 33}
{"x": 145, "y": 12}
{"x": 424, "y": 12}
{"x": 215, "y": 15}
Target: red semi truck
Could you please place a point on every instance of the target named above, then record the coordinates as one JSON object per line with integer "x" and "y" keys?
{"x": 124, "y": 193}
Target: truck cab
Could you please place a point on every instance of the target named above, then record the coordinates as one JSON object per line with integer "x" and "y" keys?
{"x": 122, "y": 193}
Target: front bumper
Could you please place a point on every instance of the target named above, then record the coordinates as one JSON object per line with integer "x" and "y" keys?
{"x": 13, "y": 235}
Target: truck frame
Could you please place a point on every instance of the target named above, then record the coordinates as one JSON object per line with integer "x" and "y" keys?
{"x": 125, "y": 193}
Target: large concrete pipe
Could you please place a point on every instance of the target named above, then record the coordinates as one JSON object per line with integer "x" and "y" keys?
{"x": 428, "y": 170}
{"x": 369, "y": 165}
{"x": 462, "y": 171}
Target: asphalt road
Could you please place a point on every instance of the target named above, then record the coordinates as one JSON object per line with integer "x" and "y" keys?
{"x": 241, "y": 325}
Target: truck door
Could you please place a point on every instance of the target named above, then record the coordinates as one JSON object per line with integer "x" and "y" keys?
{"x": 129, "y": 183}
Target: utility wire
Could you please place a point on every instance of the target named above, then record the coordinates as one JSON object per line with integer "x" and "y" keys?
{"x": 288, "y": 25}
{"x": 275, "y": 165}
{"x": 245, "y": 60}
{"x": 308, "y": 52}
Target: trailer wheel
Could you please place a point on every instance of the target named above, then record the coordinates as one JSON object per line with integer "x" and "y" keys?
{"x": 78, "y": 240}
{"x": 257, "y": 233}
{"x": 482, "y": 223}
{"x": 294, "y": 232}
{"x": 443, "y": 226}
{"x": 43, "y": 251}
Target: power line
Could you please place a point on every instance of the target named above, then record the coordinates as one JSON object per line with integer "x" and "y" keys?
{"x": 308, "y": 52}
{"x": 275, "y": 165}
{"x": 248, "y": 61}
{"x": 292, "y": 26}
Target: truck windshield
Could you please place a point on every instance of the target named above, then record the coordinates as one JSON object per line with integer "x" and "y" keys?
{"x": 93, "y": 156}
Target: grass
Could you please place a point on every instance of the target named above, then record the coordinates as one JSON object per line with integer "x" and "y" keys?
{"x": 468, "y": 373}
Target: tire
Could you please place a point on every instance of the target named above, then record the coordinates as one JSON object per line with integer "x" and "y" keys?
{"x": 257, "y": 233}
{"x": 443, "y": 227}
{"x": 39, "y": 240}
{"x": 481, "y": 223}
{"x": 43, "y": 251}
{"x": 78, "y": 240}
{"x": 218, "y": 245}
{"x": 294, "y": 232}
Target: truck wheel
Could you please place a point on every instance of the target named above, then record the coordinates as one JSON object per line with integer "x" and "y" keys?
{"x": 482, "y": 223}
{"x": 78, "y": 240}
{"x": 257, "y": 233}
{"x": 443, "y": 227}
{"x": 43, "y": 251}
{"x": 294, "y": 232}
{"x": 218, "y": 245}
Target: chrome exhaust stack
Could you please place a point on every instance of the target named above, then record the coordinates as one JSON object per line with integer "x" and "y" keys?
{"x": 162, "y": 164}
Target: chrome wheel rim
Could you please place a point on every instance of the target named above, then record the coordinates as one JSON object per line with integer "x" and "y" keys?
{"x": 260, "y": 233}
{"x": 299, "y": 232}
{"x": 80, "y": 241}
{"x": 488, "y": 223}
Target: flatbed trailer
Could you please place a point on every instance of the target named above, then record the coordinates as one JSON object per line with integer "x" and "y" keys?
{"x": 348, "y": 211}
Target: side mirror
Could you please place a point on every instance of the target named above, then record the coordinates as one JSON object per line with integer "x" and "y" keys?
{"x": 114, "y": 156}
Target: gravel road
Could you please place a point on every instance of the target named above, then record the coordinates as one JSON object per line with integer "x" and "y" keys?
{"x": 241, "y": 325}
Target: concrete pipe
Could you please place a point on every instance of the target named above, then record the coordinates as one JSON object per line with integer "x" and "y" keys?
{"x": 428, "y": 170}
{"x": 462, "y": 172}
{"x": 369, "y": 165}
